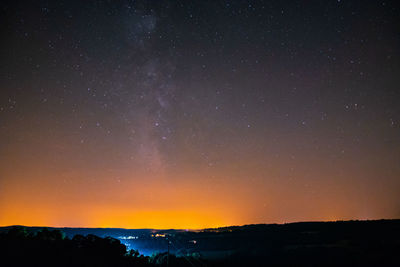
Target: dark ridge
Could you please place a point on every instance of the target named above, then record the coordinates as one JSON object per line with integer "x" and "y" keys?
{"x": 340, "y": 243}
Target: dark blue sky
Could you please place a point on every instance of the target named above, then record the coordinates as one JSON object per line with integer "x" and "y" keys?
{"x": 279, "y": 110}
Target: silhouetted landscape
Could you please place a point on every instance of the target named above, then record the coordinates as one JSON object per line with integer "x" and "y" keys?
{"x": 341, "y": 243}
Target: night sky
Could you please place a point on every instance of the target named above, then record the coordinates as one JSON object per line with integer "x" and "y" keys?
{"x": 191, "y": 114}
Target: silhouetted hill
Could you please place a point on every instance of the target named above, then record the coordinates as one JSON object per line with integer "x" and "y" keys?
{"x": 341, "y": 243}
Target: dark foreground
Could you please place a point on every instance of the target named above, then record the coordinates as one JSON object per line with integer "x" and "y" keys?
{"x": 351, "y": 243}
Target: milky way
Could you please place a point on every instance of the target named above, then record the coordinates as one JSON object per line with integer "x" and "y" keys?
{"x": 198, "y": 113}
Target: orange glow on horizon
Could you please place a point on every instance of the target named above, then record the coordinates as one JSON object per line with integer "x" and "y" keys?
{"x": 163, "y": 203}
{"x": 238, "y": 192}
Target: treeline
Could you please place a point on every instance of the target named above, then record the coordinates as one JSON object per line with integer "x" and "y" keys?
{"x": 304, "y": 244}
{"x": 19, "y": 247}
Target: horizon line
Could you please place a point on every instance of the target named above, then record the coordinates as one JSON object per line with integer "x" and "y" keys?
{"x": 206, "y": 228}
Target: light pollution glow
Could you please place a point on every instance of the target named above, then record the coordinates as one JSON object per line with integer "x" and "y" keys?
{"x": 31, "y": 196}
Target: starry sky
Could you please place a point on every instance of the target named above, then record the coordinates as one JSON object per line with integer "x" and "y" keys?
{"x": 192, "y": 114}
